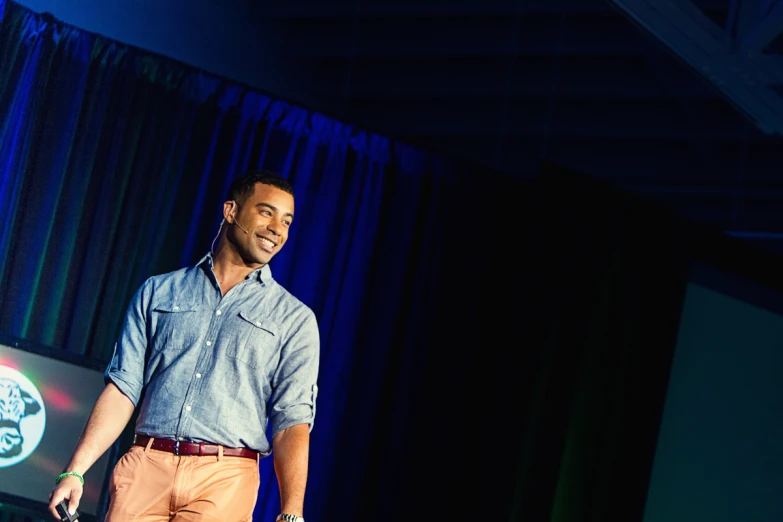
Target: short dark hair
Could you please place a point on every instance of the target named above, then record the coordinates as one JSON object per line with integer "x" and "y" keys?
{"x": 244, "y": 184}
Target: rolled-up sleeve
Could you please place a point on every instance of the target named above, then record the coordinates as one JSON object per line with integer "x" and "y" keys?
{"x": 126, "y": 368}
{"x": 295, "y": 387}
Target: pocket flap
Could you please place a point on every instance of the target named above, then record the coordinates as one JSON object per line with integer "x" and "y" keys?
{"x": 260, "y": 322}
{"x": 175, "y": 306}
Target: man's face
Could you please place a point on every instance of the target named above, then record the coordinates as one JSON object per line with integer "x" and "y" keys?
{"x": 265, "y": 217}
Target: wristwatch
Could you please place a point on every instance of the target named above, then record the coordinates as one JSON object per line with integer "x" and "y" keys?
{"x": 289, "y": 518}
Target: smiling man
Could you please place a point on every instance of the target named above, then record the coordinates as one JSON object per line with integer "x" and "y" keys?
{"x": 262, "y": 214}
{"x": 215, "y": 356}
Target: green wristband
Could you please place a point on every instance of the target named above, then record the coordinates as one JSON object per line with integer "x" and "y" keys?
{"x": 68, "y": 474}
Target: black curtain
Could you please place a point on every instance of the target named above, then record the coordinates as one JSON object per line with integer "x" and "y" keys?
{"x": 546, "y": 347}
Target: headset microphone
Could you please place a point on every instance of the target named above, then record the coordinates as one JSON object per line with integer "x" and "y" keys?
{"x": 240, "y": 226}
{"x": 223, "y": 222}
{"x": 233, "y": 208}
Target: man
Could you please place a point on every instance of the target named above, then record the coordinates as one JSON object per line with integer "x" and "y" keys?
{"x": 210, "y": 353}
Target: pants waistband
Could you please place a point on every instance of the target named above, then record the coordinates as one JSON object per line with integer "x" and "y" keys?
{"x": 201, "y": 449}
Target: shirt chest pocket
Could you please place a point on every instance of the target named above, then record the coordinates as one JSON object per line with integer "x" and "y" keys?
{"x": 256, "y": 342}
{"x": 175, "y": 325}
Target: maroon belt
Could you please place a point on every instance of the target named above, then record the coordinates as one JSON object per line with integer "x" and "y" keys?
{"x": 193, "y": 448}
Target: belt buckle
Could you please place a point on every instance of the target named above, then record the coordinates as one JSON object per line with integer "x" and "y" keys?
{"x": 176, "y": 448}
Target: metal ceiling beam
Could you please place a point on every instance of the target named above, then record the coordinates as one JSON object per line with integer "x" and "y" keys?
{"x": 741, "y": 16}
{"x": 759, "y": 22}
{"x": 700, "y": 42}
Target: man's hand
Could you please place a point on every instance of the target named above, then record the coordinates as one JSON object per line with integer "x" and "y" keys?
{"x": 70, "y": 489}
{"x": 108, "y": 418}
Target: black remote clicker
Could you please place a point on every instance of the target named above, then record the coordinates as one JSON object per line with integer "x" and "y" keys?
{"x": 62, "y": 512}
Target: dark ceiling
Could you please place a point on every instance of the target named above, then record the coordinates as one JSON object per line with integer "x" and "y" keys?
{"x": 506, "y": 82}
{"x": 500, "y": 82}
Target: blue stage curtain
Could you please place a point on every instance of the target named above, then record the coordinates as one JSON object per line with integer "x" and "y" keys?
{"x": 114, "y": 163}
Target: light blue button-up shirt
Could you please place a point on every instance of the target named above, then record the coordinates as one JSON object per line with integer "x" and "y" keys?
{"x": 213, "y": 368}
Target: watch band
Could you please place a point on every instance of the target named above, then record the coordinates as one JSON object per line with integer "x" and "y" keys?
{"x": 290, "y": 518}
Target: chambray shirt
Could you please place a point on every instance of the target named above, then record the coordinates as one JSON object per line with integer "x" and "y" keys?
{"x": 217, "y": 369}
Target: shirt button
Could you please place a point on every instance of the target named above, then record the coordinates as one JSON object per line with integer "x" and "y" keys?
{"x": 176, "y": 308}
{"x": 258, "y": 323}
{"x": 218, "y": 312}
{"x": 187, "y": 408}
{"x": 209, "y": 343}
{"x": 198, "y": 376}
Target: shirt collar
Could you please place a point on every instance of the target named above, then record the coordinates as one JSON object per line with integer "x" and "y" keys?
{"x": 263, "y": 275}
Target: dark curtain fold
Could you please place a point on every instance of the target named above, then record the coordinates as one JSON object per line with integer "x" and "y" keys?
{"x": 490, "y": 347}
{"x": 610, "y": 277}
{"x": 544, "y": 364}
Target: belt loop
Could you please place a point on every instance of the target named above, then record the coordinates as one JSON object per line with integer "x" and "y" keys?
{"x": 149, "y": 444}
{"x": 220, "y": 452}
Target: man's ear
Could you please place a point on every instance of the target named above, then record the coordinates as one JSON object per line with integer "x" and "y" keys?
{"x": 228, "y": 211}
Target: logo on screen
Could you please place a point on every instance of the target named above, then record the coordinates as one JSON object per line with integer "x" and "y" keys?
{"x": 22, "y": 417}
